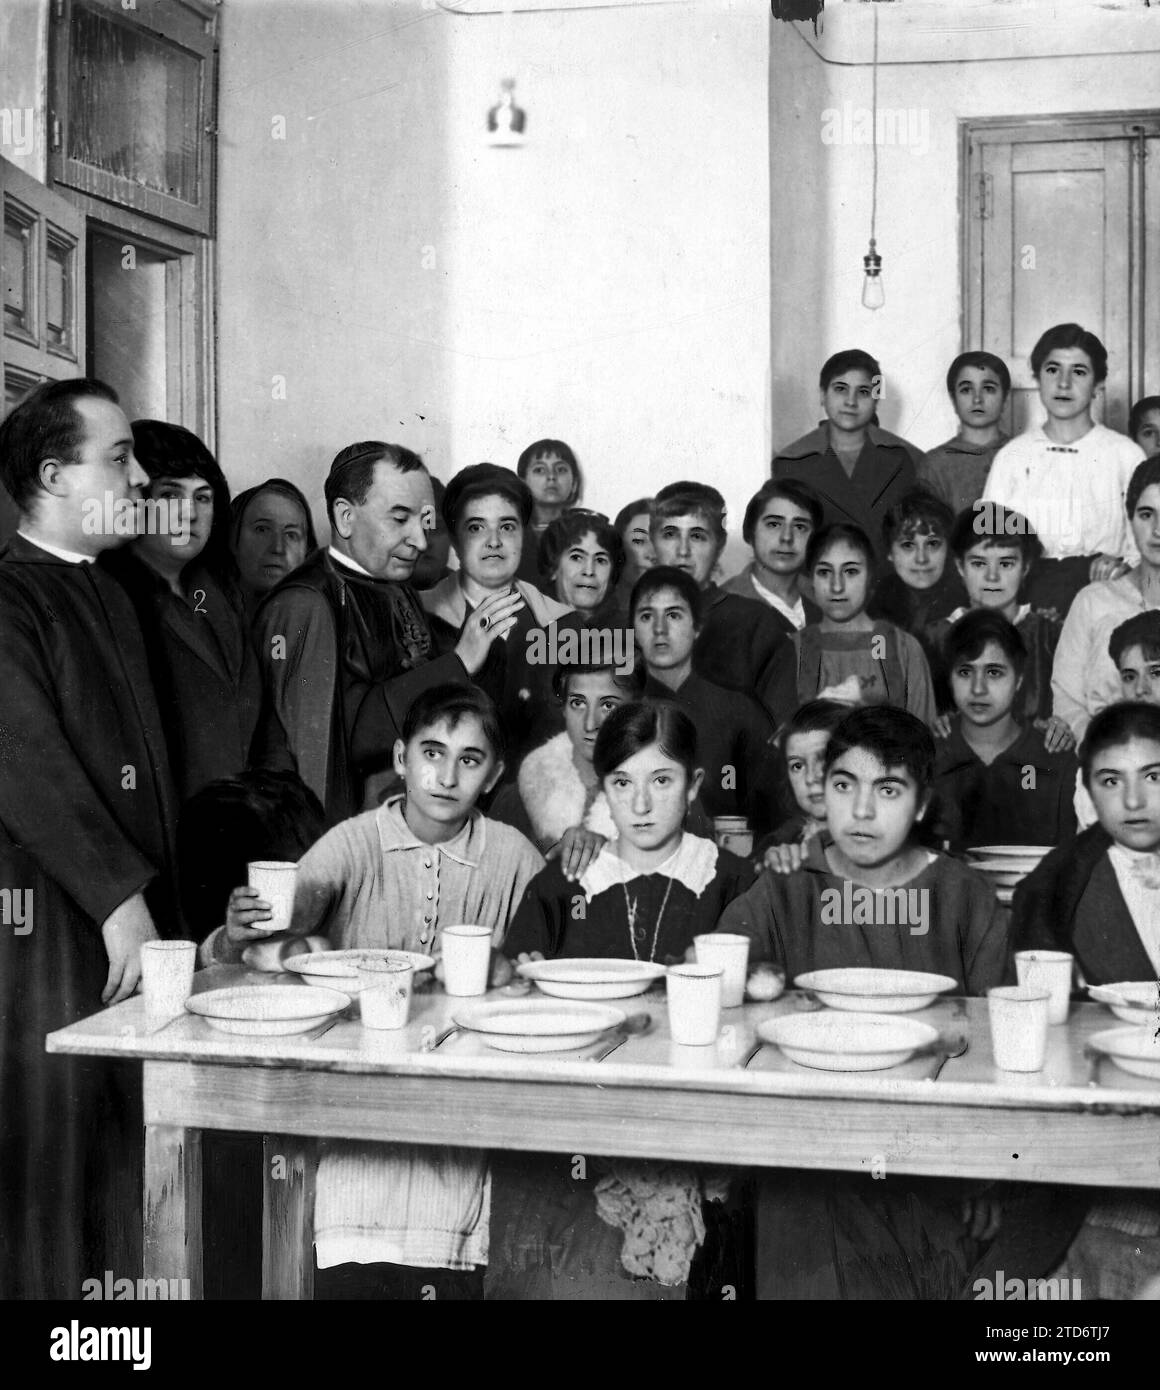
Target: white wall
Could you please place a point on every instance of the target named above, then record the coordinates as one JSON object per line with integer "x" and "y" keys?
{"x": 606, "y": 284}
{"x": 23, "y": 81}
{"x": 1007, "y": 60}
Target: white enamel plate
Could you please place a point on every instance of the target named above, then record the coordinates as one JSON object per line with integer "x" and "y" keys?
{"x": 875, "y": 991}
{"x": 537, "y": 1025}
{"x": 339, "y": 969}
{"x": 266, "y": 1011}
{"x": 847, "y": 1041}
{"x": 586, "y": 977}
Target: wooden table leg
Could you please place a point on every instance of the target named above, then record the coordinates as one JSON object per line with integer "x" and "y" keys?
{"x": 172, "y": 1246}
{"x": 291, "y": 1163}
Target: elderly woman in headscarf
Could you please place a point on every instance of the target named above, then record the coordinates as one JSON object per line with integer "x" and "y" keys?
{"x": 271, "y": 533}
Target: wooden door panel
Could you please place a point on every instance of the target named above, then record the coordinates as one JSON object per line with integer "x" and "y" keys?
{"x": 1062, "y": 228}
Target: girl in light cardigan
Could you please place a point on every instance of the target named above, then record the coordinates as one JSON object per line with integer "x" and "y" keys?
{"x": 391, "y": 1219}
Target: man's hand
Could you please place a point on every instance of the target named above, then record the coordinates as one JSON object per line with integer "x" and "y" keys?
{"x": 495, "y": 617}
{"x": 1107, "y": 567}
{"x": 575, "y": 850}
{"x": 124, "y": 931}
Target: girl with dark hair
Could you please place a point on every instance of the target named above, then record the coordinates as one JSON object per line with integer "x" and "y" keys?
{"x": 1068, "y": 475}
{"x": 646, "y": 895}
{"x": 632, "y": 525}
{"x": 1084, "y": 678}
{"x": 802, "y": 751}
{"x": 779, "y": 521}
{"x": 183, "y": 583}
{"x": 646, "y": 760}
{"x": 978, "y": 384}
{"x": 848, "y": 654}
{"x": 734, "y": 732}
{"x": 1144, "y": 424}
{"x": 271, "y": 533}
{"x": 554, "y": 480}
{"x": 859, "y": 469}
{"x": 921, "y": 586}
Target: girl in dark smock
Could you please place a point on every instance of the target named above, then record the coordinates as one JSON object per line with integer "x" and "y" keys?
{"x": 622, "y": 1230}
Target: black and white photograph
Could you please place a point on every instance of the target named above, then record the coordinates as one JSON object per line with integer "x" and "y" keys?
{"x": 579, "y": 663}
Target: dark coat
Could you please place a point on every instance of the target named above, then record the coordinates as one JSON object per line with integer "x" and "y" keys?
{"x": 733, "y": 732}
{"x": 739, "y": 643}
{"x": 87, "y": 819}
{"x": 885, "y": 471}
{"x": 1025, "y": 797}
{"x": 353, "y": 653}
{"x": 1072, "y": 902}
{"x": 204, "y": 667}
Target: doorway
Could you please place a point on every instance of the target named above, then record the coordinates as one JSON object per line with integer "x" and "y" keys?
{"x": 1061, "y": 224}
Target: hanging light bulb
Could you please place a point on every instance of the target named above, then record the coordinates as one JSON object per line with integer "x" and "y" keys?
{"x": 873, "y": 290}
{"x": 506, "y": 120}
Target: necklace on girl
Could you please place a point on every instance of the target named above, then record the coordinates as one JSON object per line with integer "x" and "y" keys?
{"x": 632, "y": 906}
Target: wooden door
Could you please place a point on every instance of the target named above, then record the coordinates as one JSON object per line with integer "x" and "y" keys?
{"x": 1058, "y": 231}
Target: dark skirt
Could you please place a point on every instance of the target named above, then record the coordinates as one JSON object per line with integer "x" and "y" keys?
{"x": 1055, "y": 583}
{"x": 835, "y": 1236}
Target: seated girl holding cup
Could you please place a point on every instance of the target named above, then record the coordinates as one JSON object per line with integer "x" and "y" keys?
{"x": 390, "y": 1219}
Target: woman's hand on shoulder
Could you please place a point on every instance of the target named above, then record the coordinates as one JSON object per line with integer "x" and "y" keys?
{"x": 1105, "y": 567}
{"x": 1057, "y": 734}
{"x": 941, "y": 728}
{"x": 782, "y": 859}
{"x": 575, "y": 850}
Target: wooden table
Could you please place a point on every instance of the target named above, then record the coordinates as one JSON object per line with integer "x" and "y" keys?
{"x": 650, "y": 1099}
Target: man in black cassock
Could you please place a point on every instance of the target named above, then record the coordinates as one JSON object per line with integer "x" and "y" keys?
{"x": 344, "y": 642}
{"x": 87, "y": 813}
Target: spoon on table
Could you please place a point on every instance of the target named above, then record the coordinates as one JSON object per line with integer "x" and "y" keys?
{"x": 635, "y": 1025}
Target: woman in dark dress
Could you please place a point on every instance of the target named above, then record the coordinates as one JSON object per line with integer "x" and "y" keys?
{"x": 271, "y": 533}
{"x": 183, "y": 583}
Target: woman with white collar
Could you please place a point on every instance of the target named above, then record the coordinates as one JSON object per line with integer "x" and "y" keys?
{"x": 486, "y": 509}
